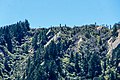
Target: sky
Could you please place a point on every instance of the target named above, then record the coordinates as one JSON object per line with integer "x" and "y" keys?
{"x": 46, "y": 13}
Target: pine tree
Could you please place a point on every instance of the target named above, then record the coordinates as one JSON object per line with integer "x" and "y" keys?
{"x": 51, "y": 49}
{"x": 114, "y": 32}
{"x": 27, "y": 25}
{"x": 94, "y": 68}
{"x": 77, "y": 64}
{"x": 7, "y": 38}
{"x": 34, "y": 41}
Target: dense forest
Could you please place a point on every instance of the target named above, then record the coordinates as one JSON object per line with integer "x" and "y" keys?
{"x": 88, "y": 52}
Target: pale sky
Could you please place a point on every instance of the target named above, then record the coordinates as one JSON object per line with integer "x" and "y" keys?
{"x": 45, "y": 13}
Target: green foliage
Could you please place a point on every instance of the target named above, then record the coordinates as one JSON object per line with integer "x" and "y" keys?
{"x": 58, "y": 53}
{"x": 34, "y": 41}
{"x": 94, "y": 68}
{"x": 115, "y": 28}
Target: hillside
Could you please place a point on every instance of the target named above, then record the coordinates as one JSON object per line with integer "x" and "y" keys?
{"x": 60, "y": 52}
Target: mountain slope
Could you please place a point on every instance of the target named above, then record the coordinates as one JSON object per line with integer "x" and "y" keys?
{"x": 58, "y": 53}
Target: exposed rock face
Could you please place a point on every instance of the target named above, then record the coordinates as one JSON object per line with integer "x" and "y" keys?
{"x": 112, "y": 44}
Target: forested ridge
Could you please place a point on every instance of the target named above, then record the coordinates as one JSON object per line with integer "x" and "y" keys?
{"x": 87, "y": 52}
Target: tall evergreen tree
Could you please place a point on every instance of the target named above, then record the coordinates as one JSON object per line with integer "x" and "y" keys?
{"x": 27, "y": 25}
{"x": 34, "y": 41}
{"x": 94, "y": 67}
